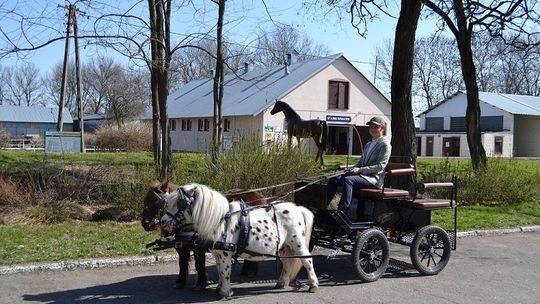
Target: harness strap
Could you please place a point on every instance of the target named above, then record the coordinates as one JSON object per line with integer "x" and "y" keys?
{"x": 245, "y": 228}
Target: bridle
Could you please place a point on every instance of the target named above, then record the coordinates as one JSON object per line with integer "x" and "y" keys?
{"x": 184, "y": 203}
{"x": 158, "y": 205}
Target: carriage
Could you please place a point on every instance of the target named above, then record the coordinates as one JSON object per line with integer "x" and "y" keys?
{"x": 401, "y": 216}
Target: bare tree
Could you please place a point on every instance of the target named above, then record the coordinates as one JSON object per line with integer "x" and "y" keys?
{"x": 193, "y": 63}
{"x": 273, "y": 46}
{"x": 23, "y": 84}
{"x": 517, "y": 18}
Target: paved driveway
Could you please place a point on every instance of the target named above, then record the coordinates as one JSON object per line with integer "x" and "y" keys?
{"x": 490, "y": 269}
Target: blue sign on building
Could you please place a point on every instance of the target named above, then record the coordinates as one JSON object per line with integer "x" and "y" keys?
{"x": 337, "y": 118}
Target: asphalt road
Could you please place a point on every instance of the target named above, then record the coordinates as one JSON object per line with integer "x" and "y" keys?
{"x": 489, "y": 269}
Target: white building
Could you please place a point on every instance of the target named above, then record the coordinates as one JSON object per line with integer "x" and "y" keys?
{"x": 328, "y": 88}
{"x": 510, "y": 126}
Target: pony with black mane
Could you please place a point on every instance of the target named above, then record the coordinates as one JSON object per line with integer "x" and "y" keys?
{"x": 300, "y": 128}
{"x": 235, "y": 230}
{"x": 153, "y": 211}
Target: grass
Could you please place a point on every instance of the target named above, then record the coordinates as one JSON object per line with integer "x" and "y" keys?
{"x": 57, "y": 242}
{"x": 30, "y": 242}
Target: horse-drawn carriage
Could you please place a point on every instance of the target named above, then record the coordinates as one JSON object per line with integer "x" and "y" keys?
{"x": 400, "y": 216}
{"x": 281, "y": 229}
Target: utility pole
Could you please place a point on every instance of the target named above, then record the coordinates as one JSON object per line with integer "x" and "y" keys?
{"x": 72, "y": 21}
{"x": 80, "y": 111}
{"x": 60, "y": 127}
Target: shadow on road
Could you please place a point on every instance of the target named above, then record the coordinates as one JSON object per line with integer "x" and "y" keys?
{"x": 159, "y": 288}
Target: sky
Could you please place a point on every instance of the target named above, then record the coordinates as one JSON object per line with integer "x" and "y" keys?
{"x": 245, "y": 18}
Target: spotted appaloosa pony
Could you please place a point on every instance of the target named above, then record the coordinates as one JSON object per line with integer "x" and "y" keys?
{"x": 152, "y": 213}
{"x": 280, "y": 228}
{"x": 299, "y": 128}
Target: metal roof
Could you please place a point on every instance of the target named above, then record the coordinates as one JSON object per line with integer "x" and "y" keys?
{"x": 246, "y": 94}
{"x": 511, "y": 103}
{"x": 32, "y": 114}
{"x": 514, "y": 104}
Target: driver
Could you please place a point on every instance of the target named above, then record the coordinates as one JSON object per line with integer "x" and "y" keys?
{"x": 367, "y": 173}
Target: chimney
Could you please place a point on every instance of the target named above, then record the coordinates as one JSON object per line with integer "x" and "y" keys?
{"x": 246, "y": 67}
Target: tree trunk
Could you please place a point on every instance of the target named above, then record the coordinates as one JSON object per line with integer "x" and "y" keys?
{"x": 472, "y": 117}
{"x": 156, "y": 142}
{"x": 403, "y": 130}
{"x": 217, "y": 130}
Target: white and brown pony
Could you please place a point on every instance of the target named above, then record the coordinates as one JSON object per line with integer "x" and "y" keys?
{"x": 280, "y": 228}
{"x": 153, "y": 211}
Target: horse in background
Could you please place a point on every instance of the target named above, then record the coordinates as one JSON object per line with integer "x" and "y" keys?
{"x": 152, "y": 213}
{"x": 281, "y": 228}
{"x": 299, "y": 128}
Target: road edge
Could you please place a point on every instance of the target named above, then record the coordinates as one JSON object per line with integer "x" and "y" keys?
{"x": 164, "y": 258}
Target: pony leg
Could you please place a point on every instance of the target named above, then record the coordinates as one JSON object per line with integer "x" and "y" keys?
{"x": 224, "y": 268}
{"x": 200, "y": 266}
{"x": 183, "y": 263}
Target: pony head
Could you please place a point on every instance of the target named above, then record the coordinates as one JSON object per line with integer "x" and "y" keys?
{"x": 178, "y": 208}
{"x": 278, "y": 107}
{"x": 153, "y": 204}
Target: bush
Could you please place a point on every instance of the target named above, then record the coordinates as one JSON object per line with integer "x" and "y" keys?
{"x": 249, "y": 165}
{"x": 503, "y": 182}
{"x": 133, "y": 136}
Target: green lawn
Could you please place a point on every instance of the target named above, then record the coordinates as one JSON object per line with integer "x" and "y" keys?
{"x": 29, "y": 243}
{"x": 57, "y": 242}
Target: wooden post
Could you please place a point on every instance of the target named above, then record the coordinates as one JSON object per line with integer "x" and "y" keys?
{"x": 60, "y": 127}
{"x": 80, "y": 112}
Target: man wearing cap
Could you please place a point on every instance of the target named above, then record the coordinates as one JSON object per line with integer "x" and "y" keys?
{"x": 367, "y": 173}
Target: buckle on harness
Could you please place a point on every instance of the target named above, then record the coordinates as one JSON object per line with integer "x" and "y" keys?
{"x": 178, "y": 244}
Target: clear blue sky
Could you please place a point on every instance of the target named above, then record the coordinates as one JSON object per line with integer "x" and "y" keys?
{"x": 245, "y": 18}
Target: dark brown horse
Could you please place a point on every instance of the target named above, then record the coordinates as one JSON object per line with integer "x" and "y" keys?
{"x": 299, "y": 128}
{"x": 150, "y": 221}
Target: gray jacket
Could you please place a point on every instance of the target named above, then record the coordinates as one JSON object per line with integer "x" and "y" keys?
{"x": 373, "y": 163}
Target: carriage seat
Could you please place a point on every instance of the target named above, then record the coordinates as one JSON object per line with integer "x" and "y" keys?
{"x": 429, "y": 204}
{"x": 434, "y": 203}
{"x": 392, "y": 170}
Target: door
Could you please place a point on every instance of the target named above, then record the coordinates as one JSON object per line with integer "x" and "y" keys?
{"x": 451, "y": 146}
{"x": 418, "y": 145}
{"x": 429, "y": 146}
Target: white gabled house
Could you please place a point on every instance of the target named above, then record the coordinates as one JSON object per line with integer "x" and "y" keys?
{"x": 326, "y": 88}
{"x": 510, "y": 126}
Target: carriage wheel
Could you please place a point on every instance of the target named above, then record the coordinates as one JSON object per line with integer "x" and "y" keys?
{"x": 370, "y": 255}
{"x": 430, "y": 250}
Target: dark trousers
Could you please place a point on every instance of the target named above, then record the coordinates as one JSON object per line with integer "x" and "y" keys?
{"x": 348, "y": 183}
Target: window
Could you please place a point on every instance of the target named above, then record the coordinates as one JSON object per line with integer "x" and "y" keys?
{"x": 457, "y": 124}
{"x": 498, "y": 149}
{"x": 226, "y": 125}
{"x": 201, "y": 125}
{"x": 173, "y": 124}
{"x": 434, "y": 123}
{"x": 206, "y": 124}
{"x": 491, "y": 123}
{"x": 186, "y": 125}
{"x": 338, "y": 95}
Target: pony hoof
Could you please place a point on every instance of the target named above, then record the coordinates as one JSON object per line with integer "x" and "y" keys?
{"x": 279, "y": 286}
{"x": 225, "y": 295}
{"x": 313, "y": 289}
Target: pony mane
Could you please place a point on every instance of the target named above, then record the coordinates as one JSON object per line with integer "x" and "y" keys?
{"x": 288, "y": 110}
{"x": 209, "y": 208}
